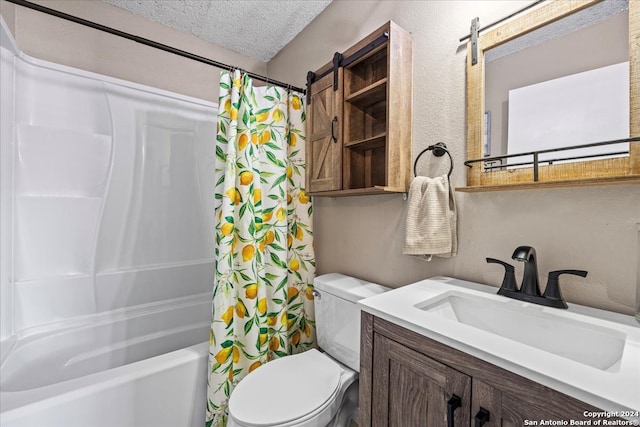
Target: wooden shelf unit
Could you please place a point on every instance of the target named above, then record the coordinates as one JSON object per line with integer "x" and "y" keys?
{"x": 367, "y": 119}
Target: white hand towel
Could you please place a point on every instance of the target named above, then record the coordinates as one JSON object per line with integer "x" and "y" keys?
{"x": 431, "y": 219}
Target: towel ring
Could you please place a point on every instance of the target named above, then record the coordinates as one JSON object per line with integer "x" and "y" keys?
{"x": 438, "y": 149}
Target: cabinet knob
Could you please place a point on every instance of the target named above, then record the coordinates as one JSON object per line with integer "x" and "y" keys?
{"x": 481, "y": 417}
{"x": 452, "y": 404}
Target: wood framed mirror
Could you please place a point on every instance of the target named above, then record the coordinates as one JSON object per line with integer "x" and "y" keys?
{"x": 561, "y": 167}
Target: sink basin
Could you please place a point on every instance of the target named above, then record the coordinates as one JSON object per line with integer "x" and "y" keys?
{"x": 592, "y": 345}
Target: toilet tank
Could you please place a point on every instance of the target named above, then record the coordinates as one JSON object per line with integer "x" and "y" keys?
{"x": 338, "y": 315}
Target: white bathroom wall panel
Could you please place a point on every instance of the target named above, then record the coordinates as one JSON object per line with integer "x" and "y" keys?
{"x": 106, "y": 193}
{"x": 155, "y": 211}
{"x": 42, "y": 301}
{"x": 8, "y": 51}
{"x": 139, "y": 286}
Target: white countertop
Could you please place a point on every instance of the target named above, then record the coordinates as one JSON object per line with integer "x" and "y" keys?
{"x": 615, "y": 389}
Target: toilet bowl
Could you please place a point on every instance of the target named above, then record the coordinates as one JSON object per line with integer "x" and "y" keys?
{"x": 314, "y": 388}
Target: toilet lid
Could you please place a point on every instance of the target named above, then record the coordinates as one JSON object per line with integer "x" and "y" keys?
{"x": 285, "y": 389}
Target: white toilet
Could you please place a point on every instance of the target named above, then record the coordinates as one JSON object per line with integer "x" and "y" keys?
{"x": 311, "y": 389}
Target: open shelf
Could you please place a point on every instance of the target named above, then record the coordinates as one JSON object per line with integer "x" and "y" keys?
{"x": 368, "y": 143}
{"x": 368, "y": 97}
{"x": 630, "y": 179}
{"x": 361, "y": 191}
{"x": 366, "y": 72}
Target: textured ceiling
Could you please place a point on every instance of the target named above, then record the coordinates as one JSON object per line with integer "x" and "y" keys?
{"x": 255, "y": 28}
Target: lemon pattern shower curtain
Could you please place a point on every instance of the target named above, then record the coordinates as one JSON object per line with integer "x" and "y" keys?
{"x": 262, "y": 299}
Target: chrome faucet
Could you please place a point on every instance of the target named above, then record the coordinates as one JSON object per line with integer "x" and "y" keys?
{"x": 530, "y": 283}
{"x": 530, "y": 289}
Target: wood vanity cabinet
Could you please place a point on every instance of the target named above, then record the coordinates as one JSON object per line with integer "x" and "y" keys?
{"x": 359, "y": 118}
{"x": 408, "y": 380}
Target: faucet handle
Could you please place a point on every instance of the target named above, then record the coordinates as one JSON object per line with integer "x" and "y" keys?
{"x": 509, "y": 280}
{"x": 552, "y": 291}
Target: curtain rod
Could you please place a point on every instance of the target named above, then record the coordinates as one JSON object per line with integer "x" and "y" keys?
{"x": 146, "y": 42}
{"x": 493, "y": 24}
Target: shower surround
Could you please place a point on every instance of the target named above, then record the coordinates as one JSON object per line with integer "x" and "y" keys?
{"x": 106, "y": 255}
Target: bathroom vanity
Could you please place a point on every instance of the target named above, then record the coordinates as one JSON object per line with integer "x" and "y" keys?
{"x": 448, "y": 352}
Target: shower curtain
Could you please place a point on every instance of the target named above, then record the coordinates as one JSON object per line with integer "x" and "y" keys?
{"x": 262, "y": 297}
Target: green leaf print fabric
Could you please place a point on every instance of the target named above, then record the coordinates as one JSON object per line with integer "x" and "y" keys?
{"x": 262, "y": 296}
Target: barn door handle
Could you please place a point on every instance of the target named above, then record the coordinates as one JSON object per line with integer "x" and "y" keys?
{"x": 452, "y": 404}
{"x": 334, "y": 138}
{"x": 481, "y": 417}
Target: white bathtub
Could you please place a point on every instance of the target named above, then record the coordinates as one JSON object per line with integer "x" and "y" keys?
{"x": 138, "y": 367}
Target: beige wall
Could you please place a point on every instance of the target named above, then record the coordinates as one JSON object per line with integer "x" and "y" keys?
{"x": 591, "y": 228}
{"x": 54, "y": 39}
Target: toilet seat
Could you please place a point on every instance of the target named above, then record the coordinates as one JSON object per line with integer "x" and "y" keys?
{"x": 302, "y": 385}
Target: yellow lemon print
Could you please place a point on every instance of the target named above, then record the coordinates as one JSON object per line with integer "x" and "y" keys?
{"x": 303, "y": 198}
{"x": 292, "y": 293}
{"x": 226, "y": 228}
{"x": 223, "y": 355}
{"x": 227, "y": 315}
{"x": 294, "y": 264}
{"x": 257, "y": 196}
{"x": 274, "y": 343}
{"x": 247, "y": 252}
{"x": 261, "y": 246}
{"x": 265, "y": 136}
{"x": 307, "y": 330}
{"x": 266, "y": 217}
{"x": 243, "y": 141}
{"x": 299, "y": 233}
{"x": 269, "y": 237}
{"x": 254, "y": 138}
{"x": 263, "y": 339}
{"x": 289, "y": 198}
{"x": 272, "y": 320}
{"x": 227, "y": 106}
{"x": 262, "y": 117}
{"x": 295, "y": 103}
{"x": 246, "y": 178}
{"x": 251, "y": 291}
{"x": 230, "y": 374}
{"x": 278, "y": 115}
{"x": 293, "y": 139}
{"x": 289, "y": 171}
{"x": 283, "y": 318}
{"x": 289, "y": 241}
{"x": 210, "y": 337}
{"x": 281, "y": 215}
{"x": 236, "y": 82}
{"x": 309, "y": 292}
{"x": 262, "y": 306}
{"x": 234, "y": 113}
{"x": 241, "y": 310}
{"x": 295, "y": 339}
{"x": 233, "y": 244}
{"x": 236, "y": 354}
{"x": 234, "y": 195}
{"x": 254, "y": 366}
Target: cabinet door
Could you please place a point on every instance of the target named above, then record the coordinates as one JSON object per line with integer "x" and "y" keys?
{"x": 412, "y": 390}
{"x": 324, "y": 136}
{"x": 526, "y": 403}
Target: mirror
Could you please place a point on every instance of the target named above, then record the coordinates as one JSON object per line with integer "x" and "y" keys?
{"x": 561, "y": 75}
